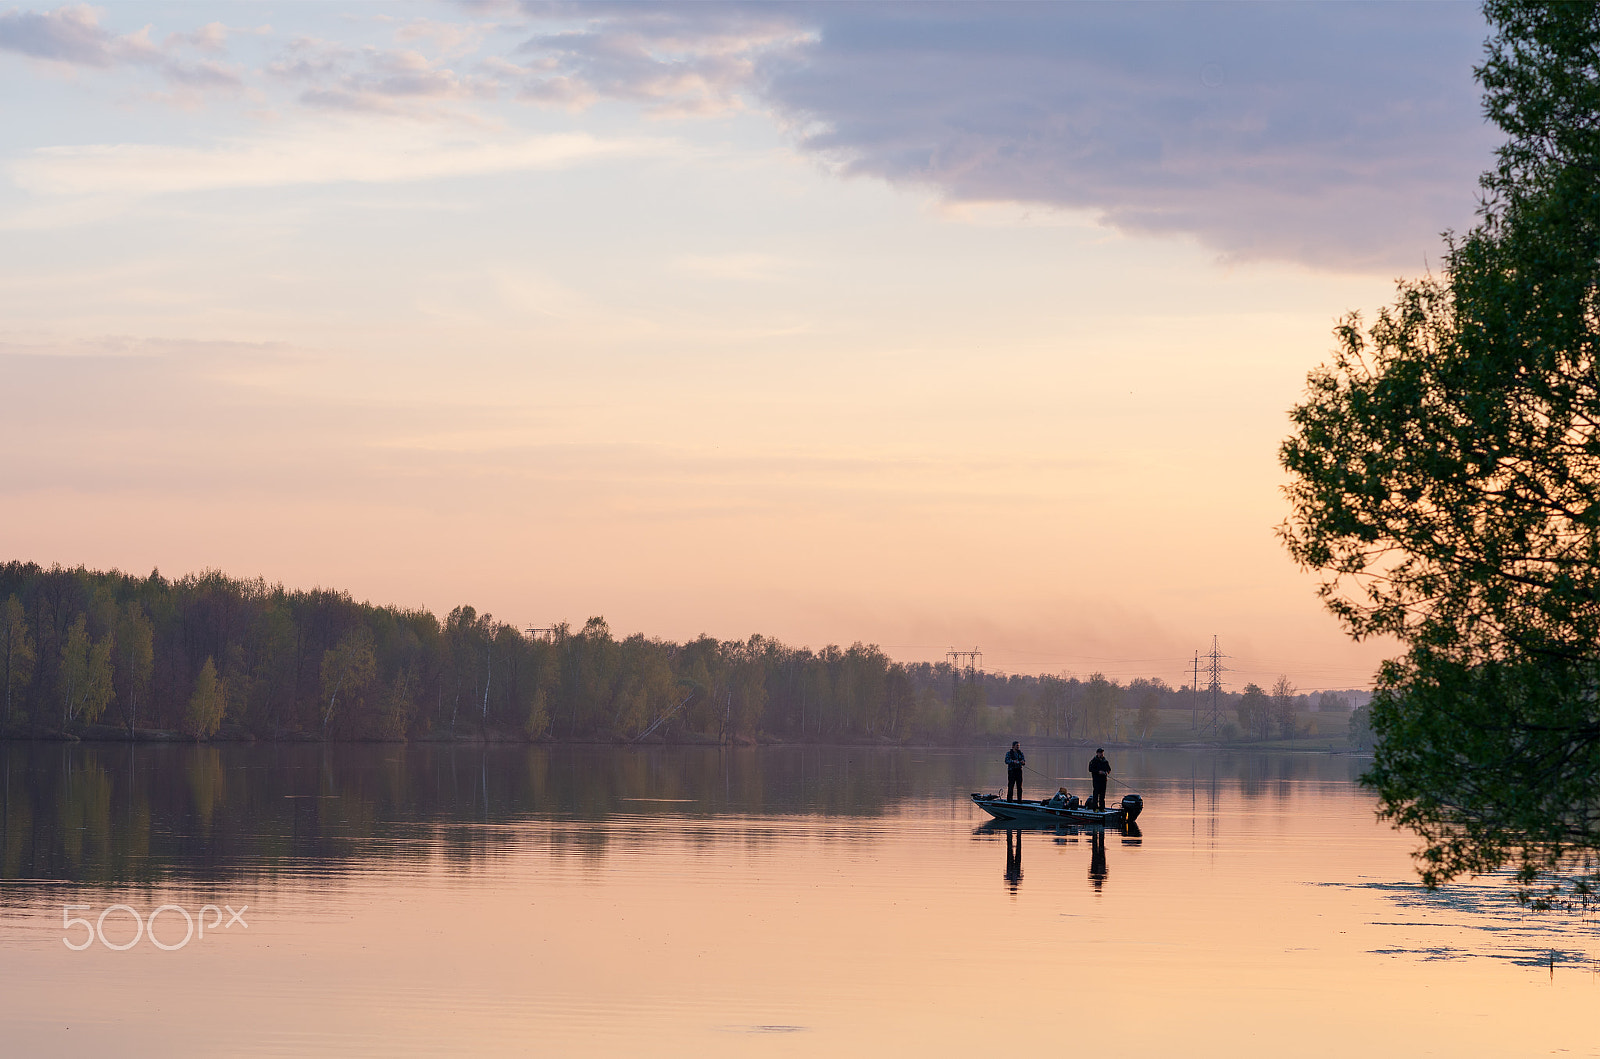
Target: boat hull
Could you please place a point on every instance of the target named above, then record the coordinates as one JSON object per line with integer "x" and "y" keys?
{"x": 1030, "y": 812}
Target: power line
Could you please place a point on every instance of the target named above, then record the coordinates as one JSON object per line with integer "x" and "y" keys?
{"x": 1194, "y": 695}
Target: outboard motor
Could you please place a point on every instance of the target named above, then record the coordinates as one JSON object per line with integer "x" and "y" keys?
{"x": 1132, "y": 805}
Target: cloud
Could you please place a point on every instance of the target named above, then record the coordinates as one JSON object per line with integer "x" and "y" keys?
{"x": 308, "y": 156}
{"x": 211, "y": 37}
{"x": 74, "y": 36}
{"x": 695, "y": 59}
{"x": 1332, "y": 134}
{"x": 1338, "y": 135}
{"x": 70, "y": 35}
{"x": 447, "y": 38}
{"x": 333, "y": 76}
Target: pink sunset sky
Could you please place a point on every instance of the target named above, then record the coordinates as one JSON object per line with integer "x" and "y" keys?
{"x": 927, "y": 326}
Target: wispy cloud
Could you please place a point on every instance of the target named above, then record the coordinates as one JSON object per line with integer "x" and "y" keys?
{"x": 73, "y": 36}
{"x": 446, "y": 38}
{"x": 1333, "y": 134}
{"x": 677, "y": 60}
{"x": 321, "y": 155}
{"x": 330, "y": 75}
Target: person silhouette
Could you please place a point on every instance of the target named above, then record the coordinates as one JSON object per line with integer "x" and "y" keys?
{"x": 1014, "y": 763}
{"x": 1097, "y": 857}
{"x": 1013, "y": 859}
{"x": 1099, "y": 770}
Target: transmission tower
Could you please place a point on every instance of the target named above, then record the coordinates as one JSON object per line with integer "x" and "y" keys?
{"x": 974, "y": 666}
{"x": 973, "y": 659}
{"x": 1214, "y": 670}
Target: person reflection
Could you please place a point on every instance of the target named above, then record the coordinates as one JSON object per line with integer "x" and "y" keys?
{"x": 1097, "y": 857}
{"x": 1013, "y": 859}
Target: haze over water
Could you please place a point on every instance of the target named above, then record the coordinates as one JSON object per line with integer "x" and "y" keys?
{"x": 776, "y": 901}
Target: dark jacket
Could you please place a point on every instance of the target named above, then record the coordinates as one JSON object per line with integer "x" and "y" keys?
{"x": 1015, "y": 760}
{"x": 1098, "y": 765}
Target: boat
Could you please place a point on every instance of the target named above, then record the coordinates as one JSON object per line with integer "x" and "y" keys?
{"x": 1058, "y": 810}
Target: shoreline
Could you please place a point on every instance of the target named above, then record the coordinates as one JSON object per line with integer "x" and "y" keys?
{"x": 106, "y": 734}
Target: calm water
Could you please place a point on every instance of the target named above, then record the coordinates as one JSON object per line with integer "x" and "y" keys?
{"x": 786, "y": 902}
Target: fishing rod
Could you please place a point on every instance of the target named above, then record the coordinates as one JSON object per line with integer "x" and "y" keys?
{"x": 1059, "y": 779}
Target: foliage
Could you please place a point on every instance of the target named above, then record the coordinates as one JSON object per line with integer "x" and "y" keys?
{"x": 1446, "y": 481}
{"x": 16, "y": 652}
{"x": 207, "y": 705}
{"x": 349, "y": 668}
{"x": 135, "y": 639}
{"x": 1147, "y": 696}
{"x": 1361, "y": 736}
{"x": 319, "y": 663}
{"x": 1255, "y": 712}
{"x": 1101, "y": 698}
{"x": 299, "y": 664}
{"x": 1283, "y": 703}
{"x": 85, "y": 674}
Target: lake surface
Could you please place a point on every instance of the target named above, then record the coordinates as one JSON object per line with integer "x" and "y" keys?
{"x": 416, "y": 900}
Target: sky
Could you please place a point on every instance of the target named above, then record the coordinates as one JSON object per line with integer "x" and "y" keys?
{"x": 925, "y": 326}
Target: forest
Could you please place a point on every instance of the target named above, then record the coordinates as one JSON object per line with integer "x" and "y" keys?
{"x": 206, "y": 656}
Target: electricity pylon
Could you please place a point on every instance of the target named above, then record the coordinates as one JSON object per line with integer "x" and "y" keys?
{"x": 1214, "y": 670}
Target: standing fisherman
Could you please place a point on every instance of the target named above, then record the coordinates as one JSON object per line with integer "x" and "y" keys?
{"x": 1099, "y": 769}
{"x": 1014, "y": 763}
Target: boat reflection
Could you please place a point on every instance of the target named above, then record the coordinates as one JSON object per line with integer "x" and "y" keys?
{"x": 1061, "y": 833}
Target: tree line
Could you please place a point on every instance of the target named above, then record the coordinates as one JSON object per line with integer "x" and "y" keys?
{"x": 209, "y": 656}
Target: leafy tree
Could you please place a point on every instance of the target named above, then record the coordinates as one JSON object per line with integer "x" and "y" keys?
{"x": 1446, "y": 481}
{"x": 207, "y": 704}
{"x": 347, "y": 668}
{"x": 1361, "y": 729}
{"x": 272, "y": 644}
{"x": 1101, "y": 698}
{"x": 747, "y": 682}
{"x": 537, "y": 721}
{"x": 85, "y": 674}
{"x": 900, "y": 698}
{"x": 1255, "y": 712}
{"x": 398, "y": 705}
{"x": 1146, "y": 696}
{"x": 16, "y": 652}
{"x": 1283, "y": 706}
{"x": 135, "y": 657}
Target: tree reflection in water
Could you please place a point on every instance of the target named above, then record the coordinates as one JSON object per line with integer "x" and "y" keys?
{"x": 119, "y": 812}
{"x": 116, "y": 813}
